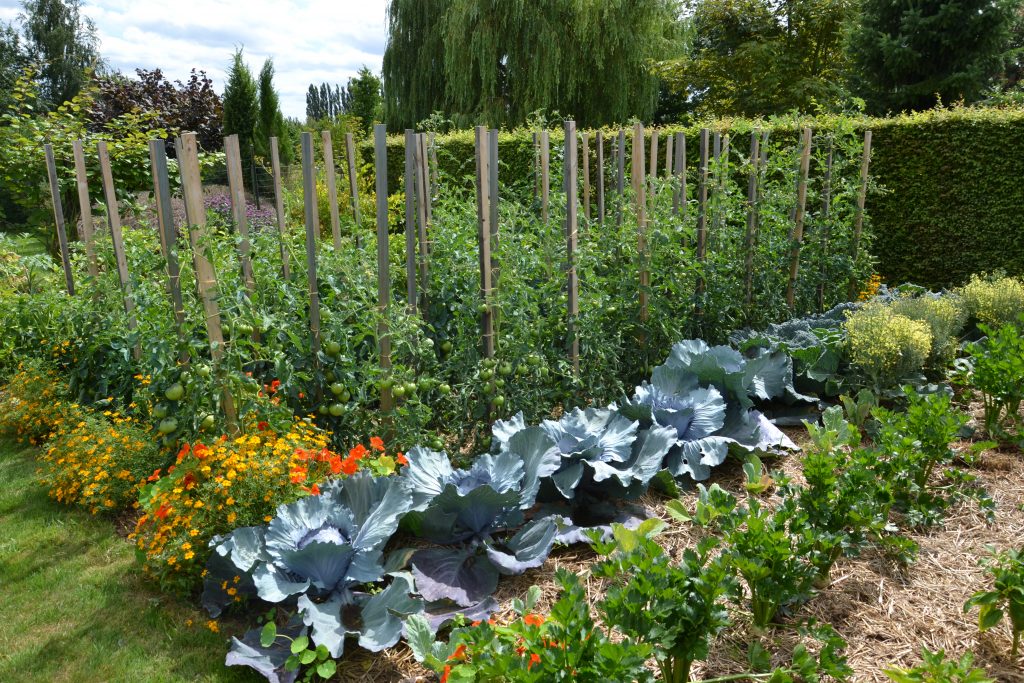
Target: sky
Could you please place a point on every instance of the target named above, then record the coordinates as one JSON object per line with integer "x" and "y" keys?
{"x": 310, "y": 41}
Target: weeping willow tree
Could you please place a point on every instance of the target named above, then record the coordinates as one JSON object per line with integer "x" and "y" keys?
{"x": 496, "y": 61}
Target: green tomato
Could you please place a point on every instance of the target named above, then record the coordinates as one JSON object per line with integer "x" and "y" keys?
{"x": 488, "y": 362}
{"x": 346, "y": 396}
{"x": 244, "y": 329}
{"x": 337, "y": 388}
{"x": 160, "y": 412}
{"x": 385, "y": 384}
{"x": 481, "y": 309}
{"x": 533, "y": 359}
{"x": 425, "y": 384}
{"x": 498, "y": 402}
{"x": 398, "y": 391}
{"x": 410, "y": 388}
{"x": 611, "y": 310}
{"x": 436, "y": 444}
{"x": 323, "y": 410}
{"x": 207, "y": 423}
{"x": 332, "y": 348}
{"x": 446, "y": 346}
{"x": 505, "y": 369}
{"x": 167, "y": 425}
{"x": 336, "y": 409}
{"x": 428, "y": 342}
{"x": 444, "y": 389}
{"x": 490, "y": 388}
{"x": 486, "y": 374}
{"x": 544, "y": 372}
{"x": 184, "y": 377}
{"x": 203, "y": 370}
{"x": 521, "y": 370}
{"x": 175, "y": 392}
{"x": 500, "y": 383}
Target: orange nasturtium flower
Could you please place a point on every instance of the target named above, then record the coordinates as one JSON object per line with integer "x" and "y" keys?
{"x": 376, "y": 443}
{"x": 533, "y": 620}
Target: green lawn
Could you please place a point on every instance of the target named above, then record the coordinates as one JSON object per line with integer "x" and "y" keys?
{"x": 73, "y": 606}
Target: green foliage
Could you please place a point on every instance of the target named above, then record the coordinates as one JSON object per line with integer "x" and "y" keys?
{"x": 935, "y": 668}
{"x": 677, "y": 607}
{"x": 755, "y": 58}
{"x": 886, "y": 347}
{"x": 1006, "y": 598}
{"x": 62, "y": 44}
{"x": 993, "y": 300}
{"x": 478, "y": 63}
{"x": 912, "y": 57}
{"x": 241, "y": 105}
{"x": 565, "y": 645}
{"x": 363, "y": 99}
{"x": 998, "y": 366}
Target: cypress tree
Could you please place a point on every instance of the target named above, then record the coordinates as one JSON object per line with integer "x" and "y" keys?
{"x": 362, "y": 98}
{"x": 271, "y": 121}
{"x": 907, "y": 55}
{"x": 241, "y": 106}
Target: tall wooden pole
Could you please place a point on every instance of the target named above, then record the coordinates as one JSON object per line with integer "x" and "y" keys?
{"x": 114, "y": 221}
{"x": 310, "y": 205}
{"x": 858, "y": 220}
{"x": 600, "y": 178}
{"x": 410, "y": 220}
{"x": 586, "y": 176}
{"x": 236, "y": 188}
{"x": 380, "y": 153}
{"x": 58, "y": 217}
{"x": 639, "y": 189}
{"x": 282, "y": 227}
{"x": 85, "y": 206}
{"x": 353, "y": 186}
{"x": 752, "y": 219}
{"x": 483, "y": 212}
{"x": 702, "y": 221}
{"x": 796, "y": 236}
{"x": 545, "y": 174}
{"x": 332, "y": 186}
{"x": 165, "y": 220}
{"x": 572, "y": 283}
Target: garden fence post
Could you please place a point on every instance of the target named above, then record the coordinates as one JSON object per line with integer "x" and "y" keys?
{"x": 410, "y": 220}
{"x": 483, "y": 214}
{"x": 545, "y": 177}
{"x": 380, "y": 154}
{"x": 702, "y": 221}
{"x": 536, "y": 167}
{"x": 571, "y": 237}
{"x": 169, "y": 232}
{"x": 353, "y": 185}
{"x": 206, "y": 277}
{"x": 599, "y": 141}
{"x": 752, "y": 213}
{"x": 117, "y": 239}
{"x": 825, "y": 227}
{"x": 653, "y": 173}
{"x": 58, "y": 217}
{"x": 493, "y": 202}
{"x": 236, "y": 188}
{"x": 332, "y": 187}
{"x": 85, "y": 206}
{"x": 715, "y": 197}
{"x": 156, "y": 202}
{"x": 312, "y": 217}
{"x": 434, "y": 170}
{"x": 858, "y": 220}
{"x": 282, "y": 226}
{"x": 670, "y": 140}
{"x": 679, "y": 191}
{"x": 586, "y": 175}
{"x": 796, "y": 236}
{"x": 620, "y": 186}
{"x": 422, "y": 177}
{"x": 639, "y": 188}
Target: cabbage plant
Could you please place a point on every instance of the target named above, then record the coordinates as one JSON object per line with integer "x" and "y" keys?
{"x": 472, "y": 516}
{"x": 315, "y": 556}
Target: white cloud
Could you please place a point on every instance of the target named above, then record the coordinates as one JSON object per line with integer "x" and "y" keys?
{"x": 310, "y": 41}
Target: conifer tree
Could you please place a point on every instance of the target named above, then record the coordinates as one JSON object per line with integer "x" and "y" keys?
{"x": 241, "y": 106}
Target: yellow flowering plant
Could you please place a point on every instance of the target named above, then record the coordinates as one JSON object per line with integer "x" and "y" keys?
{"x": 886, "y": 347}
{"x": 34, "y": 404}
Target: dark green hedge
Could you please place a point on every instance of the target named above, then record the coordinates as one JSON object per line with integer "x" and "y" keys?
{"x": 948, "y": 185}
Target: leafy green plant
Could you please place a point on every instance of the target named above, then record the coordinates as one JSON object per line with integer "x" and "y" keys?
{"x": 888, "y": 348}
{"x": 677, "y": 607}
{"x": 993, "y": 300}
{"x": 998, "y": 366}
{"x": 858, "y": 408}
{"x": 935, "y": 668}
{"x": 564, "y": 645}
{"x": 1006, "y": 598}
{"x": 945, "y": 316}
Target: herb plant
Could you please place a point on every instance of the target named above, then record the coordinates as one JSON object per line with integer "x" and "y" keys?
{"x": 1006, "y": 598}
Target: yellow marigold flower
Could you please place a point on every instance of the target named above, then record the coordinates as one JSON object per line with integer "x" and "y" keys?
{"x": 212, "y": 625}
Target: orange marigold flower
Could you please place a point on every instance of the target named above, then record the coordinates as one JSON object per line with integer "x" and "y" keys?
{"x": 335, "y": 463}
{"x": 533, "y": 620}
{"x": 534, "y": 659}
{"x": 161, "y": 512}
{"x": 376, "y": 443}
{"x": 200, "y": 451}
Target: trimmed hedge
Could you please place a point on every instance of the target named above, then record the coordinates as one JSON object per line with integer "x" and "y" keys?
{"x": 947, "y": 196}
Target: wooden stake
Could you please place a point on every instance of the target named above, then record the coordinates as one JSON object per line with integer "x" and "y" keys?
{"x": 545, "y": 177}
{"x": 156, "y": 202}
{"x": 58, "y": 217}
{"x": 752, "y": 222}
{"x": 669, "y": 148}
{"x": 858, "y": 219}
{"x": 312, "y": 216}
{"x": 206, "y": 277}
{"x": 573, "y": 311}
{"x": 620, "y": 184}
{"x": 434, "y": 170}
{"x": 282, "y": 227}
{"x": 483, "y": 213}
{"x": 796, "y": 237}
{"x": 410, "y": 220}
{"x": 639, "y": 189}
{"x": 421, "y": 163}
{"x": 679, "y": 191}
{"x": 380, "y": 154}
{"x": 825, "y": 228}
{"x": 353, "y": 188}
{"x": 332, "y": 187}
{"x": 586, "y": 176}
{"x": 653, "y": 174}
{"x": 600, "y": 178}
{"x": 493, "y": 202}
{"x": 236, "y": 188}
{"x": 85, "y": 206}
{"x": 702, "y": 220}
{"x": 114, "y": 221}
{"x": 169, "y": 236}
